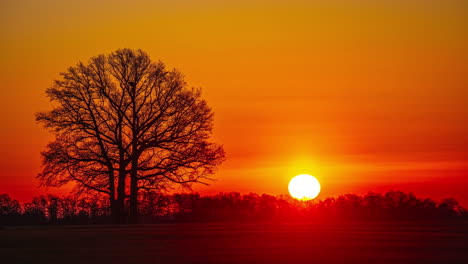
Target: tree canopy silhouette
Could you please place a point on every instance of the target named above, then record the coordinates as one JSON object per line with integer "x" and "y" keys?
{"x": 124, "y": 123}
{"x": 157, "y": 207}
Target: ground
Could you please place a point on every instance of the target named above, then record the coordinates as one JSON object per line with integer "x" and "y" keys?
{"x": 236, "y": 243}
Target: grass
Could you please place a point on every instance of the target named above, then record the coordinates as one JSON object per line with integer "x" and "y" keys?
{"x": 235, "y": 243}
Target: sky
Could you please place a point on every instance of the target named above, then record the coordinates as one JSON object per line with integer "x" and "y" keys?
{"x": 364, "y": 95}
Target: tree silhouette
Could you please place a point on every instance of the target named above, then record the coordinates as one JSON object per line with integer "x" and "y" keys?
{"x": 36, "y": 210}
{"x": 156, "y": 207}
{"x": 10, "y": 209}
{"x": 124, "y": 123}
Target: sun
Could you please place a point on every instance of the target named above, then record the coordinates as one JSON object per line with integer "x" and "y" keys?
{"x": 304, "y": 187}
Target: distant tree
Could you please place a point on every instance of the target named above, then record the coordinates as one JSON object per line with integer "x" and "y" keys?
{"x": 449, "y": 208}
{"x": 124, "y": 123}
{"x": 35, "y": 211}
{"x": 52, "y": 207}
{"x": 155, "y": 207}
{"x": 68, "y": 206}
{"x": 10, "y": 209}
{"x": 9, "y": 206}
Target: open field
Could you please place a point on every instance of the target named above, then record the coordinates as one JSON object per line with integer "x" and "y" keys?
{"x": 235, "y": 243}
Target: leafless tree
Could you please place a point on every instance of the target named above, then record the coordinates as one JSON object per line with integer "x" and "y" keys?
{"x": 124, "y": 123}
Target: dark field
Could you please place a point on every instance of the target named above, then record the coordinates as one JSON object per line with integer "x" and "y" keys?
{"x": 235, "y": 243}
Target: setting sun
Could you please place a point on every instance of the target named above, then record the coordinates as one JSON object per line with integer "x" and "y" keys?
{"x": 304, "y": 187}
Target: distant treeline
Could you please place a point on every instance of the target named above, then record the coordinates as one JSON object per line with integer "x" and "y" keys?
{"x": 157, "y": 208}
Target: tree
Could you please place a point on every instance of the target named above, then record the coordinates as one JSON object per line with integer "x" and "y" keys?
{"x": 124, "y": 123}
{"x": 9, "y": 206}
{"x": 36, "y": 210}
{"x": 10, "y": 209}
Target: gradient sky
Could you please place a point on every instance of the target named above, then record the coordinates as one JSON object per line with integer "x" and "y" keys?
{"x": 364, "y": 95}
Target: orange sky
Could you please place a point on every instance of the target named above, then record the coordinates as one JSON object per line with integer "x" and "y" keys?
{"x": 364, "y": 95}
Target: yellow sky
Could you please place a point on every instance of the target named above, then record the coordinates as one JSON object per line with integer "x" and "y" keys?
{"x": 365, "y": 95}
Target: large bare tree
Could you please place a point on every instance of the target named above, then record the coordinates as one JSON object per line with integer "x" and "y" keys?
{"x": 124, "y": 123}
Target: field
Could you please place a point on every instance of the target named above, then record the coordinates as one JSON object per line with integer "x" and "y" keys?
{"x": 235, "y": 243}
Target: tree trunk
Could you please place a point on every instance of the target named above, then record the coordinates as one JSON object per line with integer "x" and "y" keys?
{"x": 120, "y": 202}
{"x": 114, "y": 210}
{"x": 115, "y": 213}
{"x": 134, "y": 193}
{"x": 134, "y": 170}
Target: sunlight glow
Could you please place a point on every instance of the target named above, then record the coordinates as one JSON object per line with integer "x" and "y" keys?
{"x": 304, "y": 187}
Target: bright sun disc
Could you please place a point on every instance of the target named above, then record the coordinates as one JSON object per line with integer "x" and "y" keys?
{"x": 304, "y": 187}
